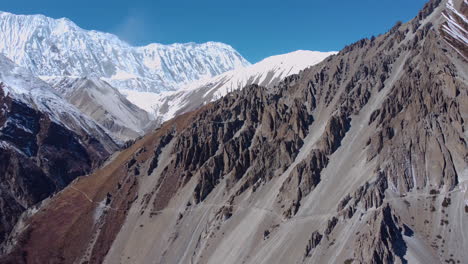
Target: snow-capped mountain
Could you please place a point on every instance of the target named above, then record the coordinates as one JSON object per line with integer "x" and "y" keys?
{"x": 267, "y": 72}
{"x": 105, "y": 104}
{"x": 20, "y": 84}
{"x": 45, "y": 143}
{"x": 58, "y": 47}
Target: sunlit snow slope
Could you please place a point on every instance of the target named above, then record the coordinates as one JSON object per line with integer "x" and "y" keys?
{"x": 267, "y": 72}
{"x": 58, "y": 47}
{"x": 20, "y": 84}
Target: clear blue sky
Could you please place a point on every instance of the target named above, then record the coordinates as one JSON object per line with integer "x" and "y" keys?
{"x": 256, "y": 28}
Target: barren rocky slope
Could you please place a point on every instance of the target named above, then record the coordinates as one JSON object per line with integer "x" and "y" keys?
{"x": 359, "y": 159}
{"x": 105, "y": 104}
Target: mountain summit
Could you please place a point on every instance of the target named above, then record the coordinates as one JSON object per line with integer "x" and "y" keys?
{"x": 58, "y": 47}
{"x": 268, "y": 72}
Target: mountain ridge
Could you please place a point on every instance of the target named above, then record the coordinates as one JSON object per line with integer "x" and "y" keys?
{"x": 105, "y": 104}
{"x": 268, "y": 72}
{"x": 58, "y": 47}
{"x": 45, "y": 143}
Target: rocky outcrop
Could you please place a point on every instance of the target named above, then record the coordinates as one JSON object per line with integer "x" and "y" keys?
{"x": 314, "y": 241}
{"x": 423, "y": 117}
{"x": 227, "y": 139}
{"x": 383, "y": 241}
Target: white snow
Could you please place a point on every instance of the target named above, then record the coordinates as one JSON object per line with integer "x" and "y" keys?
{"x": 267, "y": 72}
{"x": 20, "y": 126}
{"x": 144, "y": 100}
{"x": 121, "y": 75}
{"x": 148, "y": 75}
{"x": 22, "y": 85}
{"x": 58, "y": 47}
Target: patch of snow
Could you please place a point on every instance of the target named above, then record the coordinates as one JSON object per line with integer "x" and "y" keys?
{"x": 121, "y": 75}
{"x": 99, "y": 211}
{"x": 453, "y": 28}
{"x": 18, "y": 125}
{"x": 145, "y": 100}
{"x": 6, "y": 145}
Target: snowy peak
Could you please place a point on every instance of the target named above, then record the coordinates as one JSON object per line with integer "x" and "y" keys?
{"x": 19, "y": 80}
{"x": 290, "y": 63}
{"x": 191, "y": 61}
{"x": 267, "y": 72}
{"x": 20, "y": 84}
{"x": 58, "y": 47}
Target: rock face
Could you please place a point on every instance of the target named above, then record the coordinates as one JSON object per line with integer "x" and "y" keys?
{"x": 105, "y": 104}
{"x": 40, "y": 153}
{"x": 359, "y": 159}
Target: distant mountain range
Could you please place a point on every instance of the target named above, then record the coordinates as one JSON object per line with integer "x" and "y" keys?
{"x": 58, "y": 47}
{"x": 268, "y": 73}
{"x": 163, "y": 80}
{"x": 71, "y": 97}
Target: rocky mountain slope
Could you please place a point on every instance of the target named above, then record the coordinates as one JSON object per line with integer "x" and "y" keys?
{"x": 58, "y": 47}
{"x": 268, "y": 73}
{"x": 359, "y": 159}
{"x": 105, "y": 104}
{"x": 45, "y": 143}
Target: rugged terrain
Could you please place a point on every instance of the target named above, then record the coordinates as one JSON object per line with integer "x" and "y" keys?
{"x": 41, "y": 150}
{"x": 58, "y": 47}
{"x": 268, "y": 73}
{"x": 359, "y": 159}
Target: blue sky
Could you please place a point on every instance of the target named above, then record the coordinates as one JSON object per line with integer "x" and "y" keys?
{"x": 256, "y": 28}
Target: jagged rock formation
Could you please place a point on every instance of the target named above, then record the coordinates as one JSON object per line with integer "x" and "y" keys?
{"x": 359, "y": 159}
